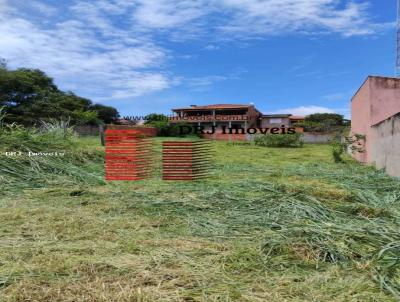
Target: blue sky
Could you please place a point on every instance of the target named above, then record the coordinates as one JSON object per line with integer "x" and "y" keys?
{"x": 143, "y": 56}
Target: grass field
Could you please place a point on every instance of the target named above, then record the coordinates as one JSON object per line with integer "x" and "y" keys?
{"x": 269, "y": 225}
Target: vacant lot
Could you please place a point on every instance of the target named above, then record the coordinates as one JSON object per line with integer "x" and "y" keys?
{"x": 269, "y": 225}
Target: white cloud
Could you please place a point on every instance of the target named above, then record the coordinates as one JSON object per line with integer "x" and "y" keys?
{"x": 85, "y": 53}
{"x": 231, "y": 19}
{"x": 274, "y": 17}
{"x": 111, "y": 48}
{"x": 305, "y": 110}
{"x": 200, "y": 83}
{"x": 211, "y": 47}
{"x": 43, "y": 8}
{"x": 164, "y": 14}
{"x": 204, "y": 82}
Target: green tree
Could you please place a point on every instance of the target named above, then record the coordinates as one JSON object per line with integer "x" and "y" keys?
{"x": 107, "y": 114}
{"x": 326, "y": 118}
{"x": 24, "y": 86}
{"x": 155, "y": 117}
{"x": 81, "y": 117}
{"x": 30, "y": 96}
{"x": 324, "y": 122}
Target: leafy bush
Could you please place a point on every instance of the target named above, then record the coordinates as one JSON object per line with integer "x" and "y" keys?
{"x": 85, "y": 117}
{"x": 165, "y": 128}
{"x": 161, "y": 126}
{"x": 347, "y": 143}
{"x": 337, "y": 152}
{"x": 279, "y": 140}
{"x": 174, "y": 129}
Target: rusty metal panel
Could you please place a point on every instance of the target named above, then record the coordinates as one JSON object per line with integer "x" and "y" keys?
{"x": 129, "y": 154}
{"x": 186, "y": 160}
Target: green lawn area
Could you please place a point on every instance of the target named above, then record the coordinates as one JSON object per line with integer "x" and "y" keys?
{"x": 270, "y": 224}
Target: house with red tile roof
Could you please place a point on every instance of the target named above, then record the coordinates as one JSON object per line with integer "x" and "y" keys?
{"x": 243, "y": 116}
{"x": 231, "y": 115}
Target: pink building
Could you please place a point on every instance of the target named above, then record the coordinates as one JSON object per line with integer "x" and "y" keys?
{"x": 375, "y": 112}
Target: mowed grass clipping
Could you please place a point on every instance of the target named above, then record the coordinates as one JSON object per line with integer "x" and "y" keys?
{"x": 81, "y": 161}
{"x": 269, "y": 225}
